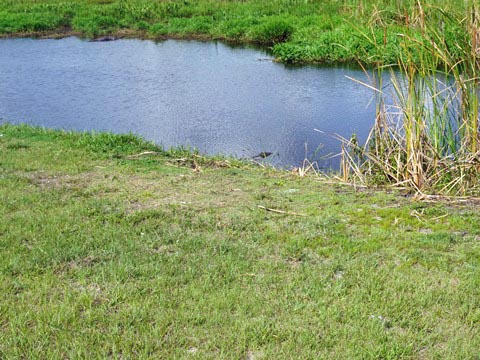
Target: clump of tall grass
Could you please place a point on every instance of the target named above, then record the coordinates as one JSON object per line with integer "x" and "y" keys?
{"x": 426, "y": 134}
{"x": 272, "y": 31}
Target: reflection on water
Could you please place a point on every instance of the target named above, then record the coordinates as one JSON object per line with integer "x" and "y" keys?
{"x": 205, "y": 95}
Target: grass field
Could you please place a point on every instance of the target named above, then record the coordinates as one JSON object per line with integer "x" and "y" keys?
{"x": 297, "y": 30}
{"x": 171, "y": 255}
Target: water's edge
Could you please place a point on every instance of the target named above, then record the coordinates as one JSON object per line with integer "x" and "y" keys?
{"x": 212, "y": 96}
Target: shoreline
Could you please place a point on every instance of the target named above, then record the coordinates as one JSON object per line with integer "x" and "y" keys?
{"x": 310, "y": 33}
{"x": 142, "y": 35}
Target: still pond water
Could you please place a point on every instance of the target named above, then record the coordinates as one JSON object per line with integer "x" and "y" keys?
{"x": 205, "y": 95}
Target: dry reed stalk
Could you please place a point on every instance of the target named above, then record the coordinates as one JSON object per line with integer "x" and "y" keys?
{"x": 434, "y": 144}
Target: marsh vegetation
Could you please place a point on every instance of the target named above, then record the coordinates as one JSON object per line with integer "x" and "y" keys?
{"x": 299, "y": 31}
{"x": 429, "y": 138}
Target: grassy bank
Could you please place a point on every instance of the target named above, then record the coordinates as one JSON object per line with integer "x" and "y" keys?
{"x": 300, "y": 31}
{"x": 107, "y": 253}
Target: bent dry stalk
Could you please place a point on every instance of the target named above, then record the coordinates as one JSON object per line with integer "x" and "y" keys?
{"x": 426, "y": 133}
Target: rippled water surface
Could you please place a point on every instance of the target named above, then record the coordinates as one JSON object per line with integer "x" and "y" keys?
{"x": 205, "y": 95}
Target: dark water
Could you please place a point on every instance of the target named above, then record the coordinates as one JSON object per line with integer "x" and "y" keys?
{"x": 219, "y": 99}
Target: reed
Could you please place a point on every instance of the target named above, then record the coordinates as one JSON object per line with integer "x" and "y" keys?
{"x": 426, "y": 133}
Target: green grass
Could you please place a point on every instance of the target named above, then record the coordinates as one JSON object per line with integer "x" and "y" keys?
{"x": 298, "y": 31}
{"x": 104, "y": 254}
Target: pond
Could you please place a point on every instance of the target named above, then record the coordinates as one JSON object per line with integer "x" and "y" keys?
{"x": 210, "y": 96}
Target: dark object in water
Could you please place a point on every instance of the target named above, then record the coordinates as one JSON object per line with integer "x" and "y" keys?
{"x": 262, "y": 155}
{"x": 105, "y": 38}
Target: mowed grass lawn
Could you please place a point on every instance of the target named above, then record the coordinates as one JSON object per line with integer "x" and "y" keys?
{"x": 168, "y": 255}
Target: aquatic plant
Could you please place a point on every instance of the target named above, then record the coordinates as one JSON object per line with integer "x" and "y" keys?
{"x": 426, "y": 134}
